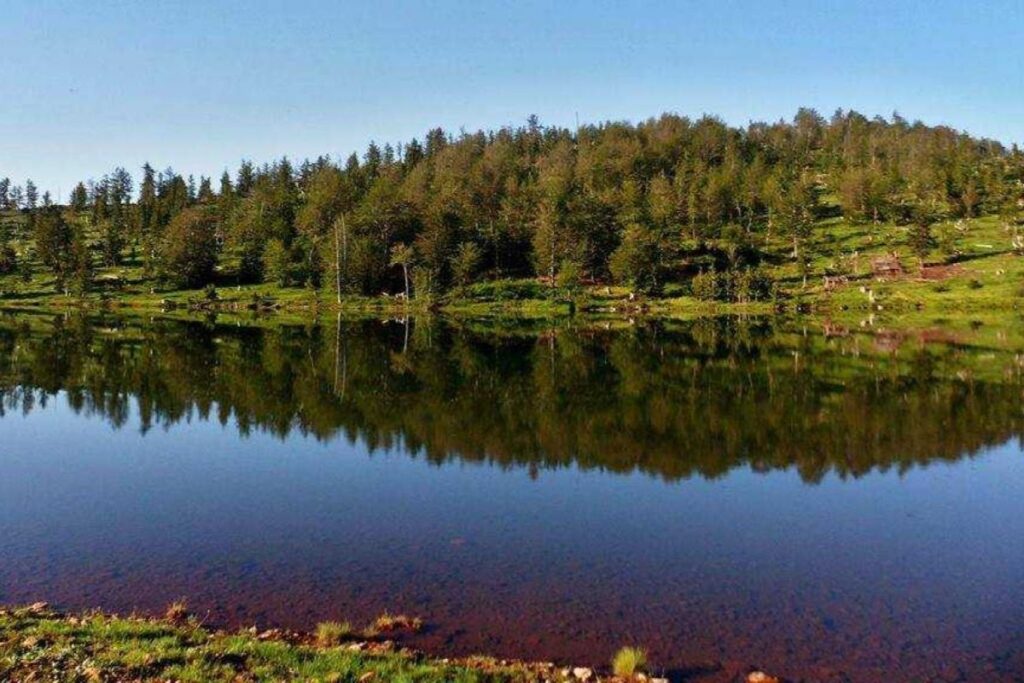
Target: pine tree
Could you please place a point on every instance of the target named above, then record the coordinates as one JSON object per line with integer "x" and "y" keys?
{"x": 53, "y": 240}
{"x": 245, "y": 180}
{"x": 189, "y": 248}
{"x": 31, "y": 195}
{"x": 79, "y": 198}
{"x": 205, "y": 193}
{"x": 80, "y": 264}
{"x": 925, "y": 214}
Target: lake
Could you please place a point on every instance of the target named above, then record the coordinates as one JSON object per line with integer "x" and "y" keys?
{"x": 828, "y": 502}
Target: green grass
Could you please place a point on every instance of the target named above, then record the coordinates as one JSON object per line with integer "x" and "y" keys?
{"x": 629, "y": 661}
{"x": 38, "y": 644}
{"x": 330, "y": 633}
{"x": 988, "y": 276}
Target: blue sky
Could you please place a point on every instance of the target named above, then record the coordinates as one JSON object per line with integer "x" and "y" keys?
{"x": 198, "y": 86}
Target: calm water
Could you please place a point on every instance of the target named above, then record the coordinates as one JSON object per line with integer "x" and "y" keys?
{"x": 721, "y": 492}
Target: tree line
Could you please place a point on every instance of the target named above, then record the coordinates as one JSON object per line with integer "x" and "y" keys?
{"x": 664, "y": 200}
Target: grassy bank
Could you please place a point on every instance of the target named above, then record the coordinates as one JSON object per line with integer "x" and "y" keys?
{"x": 982, "y": 288}
{"x": 37, "y": 643}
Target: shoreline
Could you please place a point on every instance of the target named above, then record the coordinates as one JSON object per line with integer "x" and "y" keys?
{"x": 38, "y": 641}
{"x": 897, "y": 300}
{"x": 541, "y": 315}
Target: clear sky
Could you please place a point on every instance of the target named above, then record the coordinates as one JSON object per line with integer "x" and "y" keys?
{"x": 200, "y": 85}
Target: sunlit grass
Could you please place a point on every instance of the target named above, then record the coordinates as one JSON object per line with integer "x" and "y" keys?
{"x": 36, "y": 644}
{"x": 331, "y": 633}
{"x": 387, "y": 623}
{"x": 629, "y": 661}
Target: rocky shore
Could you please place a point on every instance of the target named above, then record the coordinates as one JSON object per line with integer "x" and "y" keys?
{"x": 39, "y": 643}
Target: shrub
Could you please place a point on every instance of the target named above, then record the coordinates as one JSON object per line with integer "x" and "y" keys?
{"x": 8, "y": 260}
{"x": 629, "y": 661}
{"x": 177, "y": 612}
{"x": 947, "y": 240}
{"x": 387, "y": 623}
{"x": 331, "y": 633}
{"x": 465, "y": 263}
{"x": 425, "y": 283}
{"x": 277, "y": 263}
{"x": 570, "y": 277}
{"x": 705, "y": 286}
{"x": 507, "y": 290}
{"x": 740, "y": 286}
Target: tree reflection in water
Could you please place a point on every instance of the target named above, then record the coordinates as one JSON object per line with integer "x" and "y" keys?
{"x": 669, "y": 399}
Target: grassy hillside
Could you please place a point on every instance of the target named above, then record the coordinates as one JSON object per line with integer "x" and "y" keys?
{"x": 972, "y": 268}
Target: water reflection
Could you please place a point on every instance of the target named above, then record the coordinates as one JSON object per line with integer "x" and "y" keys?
{"x": 672, "y": 400}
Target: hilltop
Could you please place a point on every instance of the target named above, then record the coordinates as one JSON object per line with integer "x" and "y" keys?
{"x": 670, "y": 215}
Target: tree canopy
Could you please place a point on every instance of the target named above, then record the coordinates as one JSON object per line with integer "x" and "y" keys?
{"x": 643, "y": 204}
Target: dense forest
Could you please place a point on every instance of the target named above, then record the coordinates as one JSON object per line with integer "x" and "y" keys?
{"x": 658, "y": 202}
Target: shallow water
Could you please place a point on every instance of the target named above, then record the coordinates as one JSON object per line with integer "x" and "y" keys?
{"x": 720, "y": 492}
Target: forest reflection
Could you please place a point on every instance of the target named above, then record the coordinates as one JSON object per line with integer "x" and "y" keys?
{"x": 669, "y": 399}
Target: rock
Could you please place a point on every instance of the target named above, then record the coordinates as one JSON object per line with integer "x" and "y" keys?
{"x": 582, "y": 673}
{"x": 368, "y": 676}
{"x": 38, "y": 607}
{"x": 761, "y": 677}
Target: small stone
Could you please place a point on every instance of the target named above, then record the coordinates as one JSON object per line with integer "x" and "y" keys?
{"x": 582, "y": 673}
{"x": 39, "y": 607}
{"x": 761, "y": 677}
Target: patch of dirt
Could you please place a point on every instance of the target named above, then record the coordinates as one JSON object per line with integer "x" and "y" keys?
{"x": 940, "y": 272}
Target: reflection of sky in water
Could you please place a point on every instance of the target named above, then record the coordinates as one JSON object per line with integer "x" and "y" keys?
{"x": 755, "y": 567}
